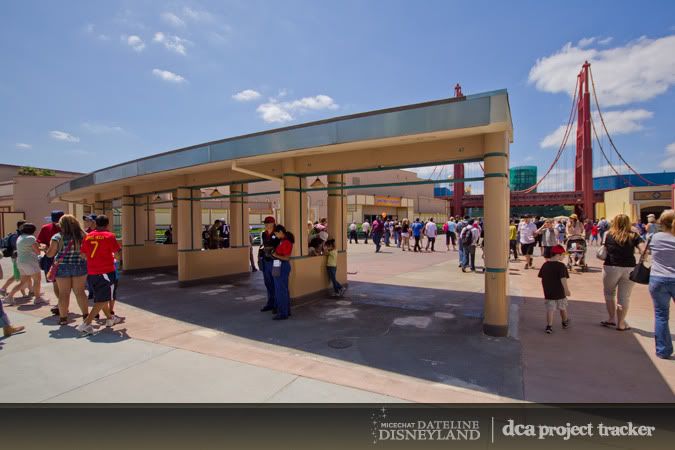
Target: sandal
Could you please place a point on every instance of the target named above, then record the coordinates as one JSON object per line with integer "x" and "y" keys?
{"x": 626, "y": 328}
{"x": 63, "y": 321}
{"x": 605, "y": 323}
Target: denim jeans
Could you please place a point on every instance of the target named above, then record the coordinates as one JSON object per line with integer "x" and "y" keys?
{"x": 469, "y": 257}
{"x": 376, "y": 239}
{"x": 332, "y": 271}
{"x": 4, "y": 320}
{"x": 281, "y": 297}
{"x": 461, "y": 254}
{"x": 662, "y": 290}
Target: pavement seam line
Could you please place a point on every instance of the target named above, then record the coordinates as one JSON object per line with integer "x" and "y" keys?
{"x": 171, "y": 349}
{"x": 295, "y": 377}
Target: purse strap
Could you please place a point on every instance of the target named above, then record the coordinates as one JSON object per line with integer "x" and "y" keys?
{"x": 67, "y": 249}
{"x": 642, "y": 256}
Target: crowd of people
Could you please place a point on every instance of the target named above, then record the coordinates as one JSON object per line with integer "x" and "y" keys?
{"x": 85, "y": 259}
{"x": 74, "y": 259}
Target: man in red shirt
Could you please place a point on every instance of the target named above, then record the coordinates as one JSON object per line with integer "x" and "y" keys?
{"x": 44, "y": 239}
{"x": 100, "y": 247}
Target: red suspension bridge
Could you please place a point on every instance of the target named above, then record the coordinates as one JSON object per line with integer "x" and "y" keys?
{"x": 569, "y": 178}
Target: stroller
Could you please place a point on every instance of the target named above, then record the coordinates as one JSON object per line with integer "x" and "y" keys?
{"x": 576, "y": 250}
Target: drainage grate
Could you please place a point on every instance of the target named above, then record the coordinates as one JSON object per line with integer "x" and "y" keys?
{"x": 340, "y": 343}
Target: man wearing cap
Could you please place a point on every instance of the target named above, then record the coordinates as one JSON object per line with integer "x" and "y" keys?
{"x": 268, "y": 243}
{"x": 89, "y": 223}
{"x": 44, "y": 239}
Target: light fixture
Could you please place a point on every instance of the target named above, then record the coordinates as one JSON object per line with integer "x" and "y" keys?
{"x": 317, "y": 183}
{"x": 157, "y": 198}
{"x": 215, "y": 193}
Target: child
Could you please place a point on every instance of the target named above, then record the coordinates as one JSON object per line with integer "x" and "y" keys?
{"x": 554, "y": 277}
{"x": 331, "y": 267}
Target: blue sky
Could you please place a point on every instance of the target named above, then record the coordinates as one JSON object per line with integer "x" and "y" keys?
{"x": 86, "y": 84}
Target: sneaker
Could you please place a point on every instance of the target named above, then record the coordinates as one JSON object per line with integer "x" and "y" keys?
{"x": 342, "y": 291}
{"x": 549, "y": 329}
{"x": 566, "y": 323}
{"x": 9, "y": 301}
{"x": 114, "y": 320}
{"x": 85, "y": 330}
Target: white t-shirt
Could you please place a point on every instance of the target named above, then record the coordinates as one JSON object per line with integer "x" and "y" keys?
{"x": 352, "y": 227}
{"x": 527, "y": 232}
{"x": 430, "y": 229}
{"x": 365, "y": 226}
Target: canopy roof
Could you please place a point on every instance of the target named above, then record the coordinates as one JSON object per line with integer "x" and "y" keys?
{"x": 488, "y": 111}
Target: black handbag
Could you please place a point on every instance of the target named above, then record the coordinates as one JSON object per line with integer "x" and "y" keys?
{"x": 640, "y": 273}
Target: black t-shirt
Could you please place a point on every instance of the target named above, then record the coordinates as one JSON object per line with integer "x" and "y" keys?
{"x": 621, "y": 255}
{"x": 268, "y": 242}
{"x": 551, "y": 273}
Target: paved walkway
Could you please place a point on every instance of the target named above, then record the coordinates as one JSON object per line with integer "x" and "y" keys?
{"x": 408, "y": 330}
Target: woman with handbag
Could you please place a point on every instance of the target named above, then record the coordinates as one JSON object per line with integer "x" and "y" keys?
{"x": 620, "y": 244}
{"x": 662, "y": 281}
{"x": 281, "y": 270}
{"x": 28, "y": 263}
{"x": 69, "y": 269}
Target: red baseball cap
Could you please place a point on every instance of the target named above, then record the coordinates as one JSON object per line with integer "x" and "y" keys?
{"x": 269, "y": 219}
{"x": 558, "y": 250}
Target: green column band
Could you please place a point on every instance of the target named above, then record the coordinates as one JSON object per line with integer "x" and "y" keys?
{"x": 487, "y": 155}
{"x": 496, "y": 175}
{"x": 494, "y": 270}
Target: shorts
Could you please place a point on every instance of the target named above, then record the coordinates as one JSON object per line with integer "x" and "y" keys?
{"x": 405, "y": 235}
{"x": 28, "y": 269}
{"x": 548, "y": 252}
{"x": 560, "y": 305}
{"x": 102, "y": 286}
{"x": 71, "y": 270}
{"x": 527, "y": 249}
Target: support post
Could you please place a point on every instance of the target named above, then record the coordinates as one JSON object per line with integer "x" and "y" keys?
{"x": 337, "y": 210}
{"x": 128, "y": 231}
{"x": 195, "y": 223}
{"x": 294, "y": 205}
{"x": 239, "y": 216}
{"x": 458, "y": 190}
{"x": 496, "y": 206}
{"x": 140, "y": 219}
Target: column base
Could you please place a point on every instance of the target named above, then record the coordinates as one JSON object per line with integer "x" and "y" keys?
{"x": 496, "y": 330}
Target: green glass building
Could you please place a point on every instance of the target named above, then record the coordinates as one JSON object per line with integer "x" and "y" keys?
{"x": 522, "y": 177}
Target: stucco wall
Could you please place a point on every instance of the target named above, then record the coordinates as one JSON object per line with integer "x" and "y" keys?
{"x": 30, "y": 196}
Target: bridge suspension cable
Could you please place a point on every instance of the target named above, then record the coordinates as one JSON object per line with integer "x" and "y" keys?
{"x": 602, "y": 120}
{"x": 604, "y": 155}
{"x": 563, "y": 144}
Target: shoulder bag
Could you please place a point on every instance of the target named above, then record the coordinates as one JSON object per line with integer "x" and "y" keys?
{"x": 640, "y": 273}
{"x": 51, "y": 275}
{"x": 602, "y": 251}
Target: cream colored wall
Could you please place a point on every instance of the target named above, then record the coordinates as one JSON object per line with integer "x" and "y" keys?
{"x": 618, "y": 202}
{"x": 150, "y": 255}
{"x": 197, "y": 265}
{"x": 30, "y": 196}
{"x": 309, "y": 275}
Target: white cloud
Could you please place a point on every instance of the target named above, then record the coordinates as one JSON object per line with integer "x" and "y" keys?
{"x": 168, "y": 76}
{"x": 637, "y": 71}
{"x": 172, "y": 43}
{"x": 606, "y": 170}
{"x": 134, "y": 42}
{"x": 585, "y": 42}
{"x": 99, "y": 128}
{"x": 90, "y": 28}
{"x": 606, "y": 40}
{"x": 669, "y": 162}
{"x": 197, "y": 15}
{"x": 172, "y": 19}
{"x": 63, "y": 136}
{"x": 275, "y": 111}
{"x": 558, "y": 180}
{"x": 618, "y": 122}
{"x": 23, "y": 145}
{"x": 246, "y": 95}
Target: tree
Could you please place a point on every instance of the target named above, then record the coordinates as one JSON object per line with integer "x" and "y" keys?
{"x": 36, "y": 172}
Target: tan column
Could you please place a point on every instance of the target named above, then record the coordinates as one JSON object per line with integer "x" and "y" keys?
{"x": 496, "y": 207}
{"x": 337, "y": 210}
{"x": 238, "y": 216}
{"x": 150, "y": 219}
{"x": 195, "y": 226}
{"x": 183, "y": 231}
{"x": 174, "y": 218}
{"x": 128, "y": 230}
{"x": 294, "y": 205}
{"x": 140, "y": 219}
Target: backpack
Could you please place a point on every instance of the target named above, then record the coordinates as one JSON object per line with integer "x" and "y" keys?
{"x": 8, "y": 244}
{"x": 445, "y": 227}
{"x": 467, "y": 237}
